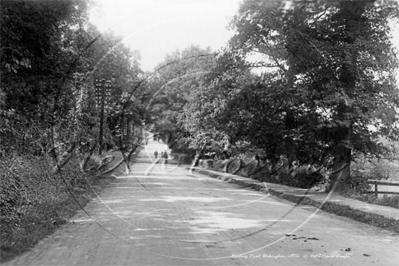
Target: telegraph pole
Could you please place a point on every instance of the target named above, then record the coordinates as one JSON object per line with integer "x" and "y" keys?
{"x": 103, "y": 93}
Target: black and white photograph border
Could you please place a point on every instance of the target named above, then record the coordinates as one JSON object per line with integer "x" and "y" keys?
{"x": 199, "y": 132}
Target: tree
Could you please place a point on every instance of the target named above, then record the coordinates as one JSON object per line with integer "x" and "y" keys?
{"x": 251, "y": 114}
{"x": 37, "y": 67}
{"x": 110, "y": 60}
{"x": 337, "y": 58}
{"x": 49, "y": 80}
{"x": 176, "y": 81}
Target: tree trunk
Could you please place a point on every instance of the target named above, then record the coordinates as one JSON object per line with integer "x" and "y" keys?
{"x": 349, "y": 16}
{"x": 341, "y": 170}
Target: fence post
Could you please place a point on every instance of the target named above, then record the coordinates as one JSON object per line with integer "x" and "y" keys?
{"x": 376, "y": 189}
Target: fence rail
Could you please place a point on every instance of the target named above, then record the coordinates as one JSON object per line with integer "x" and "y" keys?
{"x": 383, "y": 183}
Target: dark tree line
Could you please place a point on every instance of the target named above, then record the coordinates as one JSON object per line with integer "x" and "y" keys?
{"x": 327, "y": 92}
{"x": 51, "y": 56}
{"x": 49, "y": 118}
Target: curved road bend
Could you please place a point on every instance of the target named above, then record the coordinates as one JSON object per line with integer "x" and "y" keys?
{"x": 160, "y": 215}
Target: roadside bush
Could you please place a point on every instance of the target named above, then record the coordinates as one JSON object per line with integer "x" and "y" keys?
{"x": 302, "y": 177}
{"x": 263, "y": 175}
{"x": 252, "y": 167}
{"x": 246, "y": 161}
{"x": 25, "y": 181}
{"x": 383, "y": 169}
{"x": 10, "y": 191}
{"x": 34, "y": 201}
{"x": 379, "y": 169}
{"x": 391, "y": 201}
{"x": 358, "y": 183}
{"x": 307, "y": 179}
{"x": 219, "y": 165}
{"x": 357, "y": 188}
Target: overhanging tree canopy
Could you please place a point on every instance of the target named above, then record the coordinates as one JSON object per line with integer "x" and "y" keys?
{"x": 329, "y": 78}
{"x": 337, "y": 58}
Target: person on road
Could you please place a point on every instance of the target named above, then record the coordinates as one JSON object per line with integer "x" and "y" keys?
{"x": 165, "y": 156}
{"x": 156, "y": 154}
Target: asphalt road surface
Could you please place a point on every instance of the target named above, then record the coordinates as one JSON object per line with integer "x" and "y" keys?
{"x": 163, "y": 215}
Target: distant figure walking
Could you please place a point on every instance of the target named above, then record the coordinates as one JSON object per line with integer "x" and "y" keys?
{"x": 161, "y": 154}
{"x": 156, "y": 154}
{"x": 165, "y": 156}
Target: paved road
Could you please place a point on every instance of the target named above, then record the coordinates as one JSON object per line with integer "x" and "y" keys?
{"x": 161, "y": 215}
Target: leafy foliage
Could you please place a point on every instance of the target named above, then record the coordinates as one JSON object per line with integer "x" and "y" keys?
{"x": 327, "y": 90}
{"x": 50, "y": 95}
{"x": 49, "y": 114}
{"x": 176, "y": 82}
{"x": 335, "y": 77}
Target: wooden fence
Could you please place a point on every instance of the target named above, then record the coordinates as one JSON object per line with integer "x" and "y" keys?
{"x": 376, "y": 183}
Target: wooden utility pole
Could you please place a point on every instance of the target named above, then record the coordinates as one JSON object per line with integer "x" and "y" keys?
{"x": 103, "y": 95}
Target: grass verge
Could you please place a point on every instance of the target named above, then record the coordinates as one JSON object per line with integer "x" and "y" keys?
{"x": 343, "y": 210}
{"x": 390, "y": 201}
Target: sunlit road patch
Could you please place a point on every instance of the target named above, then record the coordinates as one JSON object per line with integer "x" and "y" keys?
{"x": 220, "y": 221}
{"x": 185, "y": 199}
